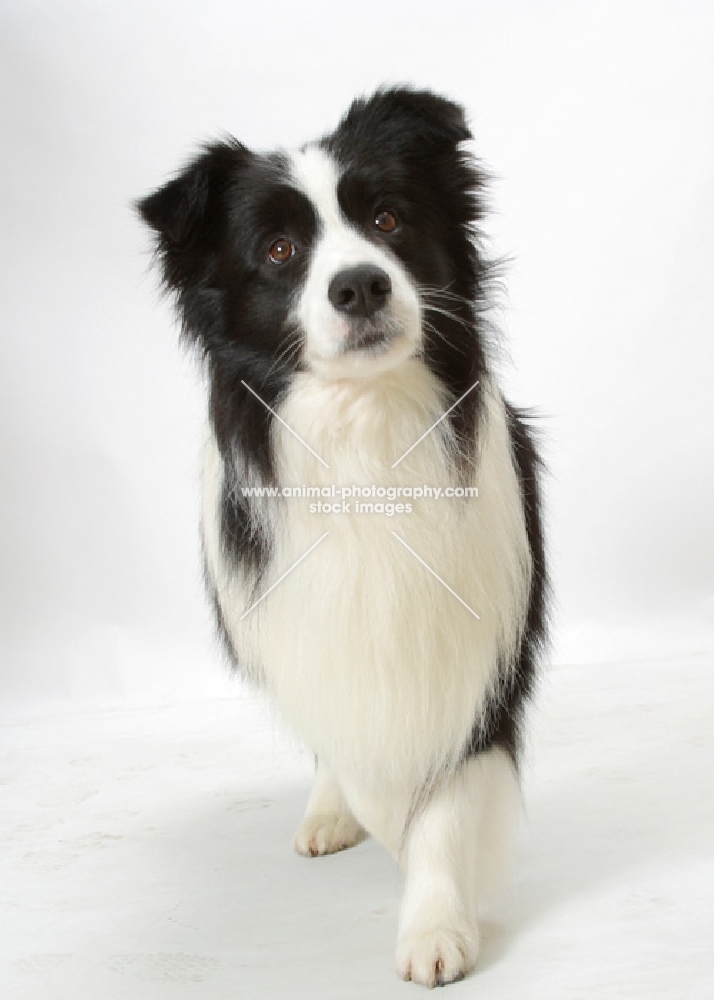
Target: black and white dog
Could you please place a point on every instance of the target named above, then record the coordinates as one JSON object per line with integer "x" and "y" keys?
{"x": 337, "y": 294}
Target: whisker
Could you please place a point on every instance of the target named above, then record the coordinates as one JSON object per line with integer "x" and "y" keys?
{"x": 291, "y": 345}
{"x": 449, "y": 315}
{"x": 443, "y": 292}
{"x": 434, "y": 330}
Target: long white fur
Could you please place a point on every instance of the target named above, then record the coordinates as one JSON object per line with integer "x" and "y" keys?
{"x": 370, "y": 659}
{"x": 457, "y": 847}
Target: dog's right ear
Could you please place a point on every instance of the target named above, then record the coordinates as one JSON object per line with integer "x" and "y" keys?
{"x": 188, "y": 213}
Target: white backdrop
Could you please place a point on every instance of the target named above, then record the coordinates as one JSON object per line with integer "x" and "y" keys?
{"x": 596, "y": 122}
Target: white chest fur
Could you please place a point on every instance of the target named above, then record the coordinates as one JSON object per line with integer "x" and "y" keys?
{"x": 371, "y": 659}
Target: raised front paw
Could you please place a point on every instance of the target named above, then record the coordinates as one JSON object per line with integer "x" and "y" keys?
{"x": 437, "y": 955}
{"x": 326, "y": 833}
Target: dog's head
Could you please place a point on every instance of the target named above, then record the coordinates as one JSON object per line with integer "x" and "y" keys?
{"x": 344, "y": 257}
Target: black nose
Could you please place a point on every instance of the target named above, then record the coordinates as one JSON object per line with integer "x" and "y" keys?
{"x": 360, "y": 291}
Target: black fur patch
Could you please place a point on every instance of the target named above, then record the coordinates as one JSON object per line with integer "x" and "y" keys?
{"x": 500, "y": 723}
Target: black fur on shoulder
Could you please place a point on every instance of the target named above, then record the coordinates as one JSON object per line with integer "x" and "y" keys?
{"x": 500, "y": 722}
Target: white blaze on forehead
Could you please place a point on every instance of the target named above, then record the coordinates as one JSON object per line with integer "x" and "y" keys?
{"x": 317, "y": 175}
{"x": 340, "y": 245}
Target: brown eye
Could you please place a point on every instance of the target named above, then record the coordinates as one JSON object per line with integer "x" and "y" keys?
{"x": 386, "y": 222}
{"x": 281, "y": 250}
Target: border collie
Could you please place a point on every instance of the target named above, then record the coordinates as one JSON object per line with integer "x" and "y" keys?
{"x": 337, "y": 294}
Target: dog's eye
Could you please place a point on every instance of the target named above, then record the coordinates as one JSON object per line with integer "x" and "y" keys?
{"x": 386, "y": 222}
{"x": 281, "y": 250}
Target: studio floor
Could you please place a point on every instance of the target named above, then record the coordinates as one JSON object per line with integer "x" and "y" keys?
{"x": 146, "y": 853}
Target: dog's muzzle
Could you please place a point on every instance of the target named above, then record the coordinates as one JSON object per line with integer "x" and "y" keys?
{"x": 361, "y": 294}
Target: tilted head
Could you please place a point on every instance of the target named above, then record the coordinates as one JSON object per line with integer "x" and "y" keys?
{"x": 342, "y": 258}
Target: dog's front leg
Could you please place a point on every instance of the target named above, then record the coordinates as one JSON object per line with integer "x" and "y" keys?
{"x": 456, "y": 846}
{"x": 328, "y": 824}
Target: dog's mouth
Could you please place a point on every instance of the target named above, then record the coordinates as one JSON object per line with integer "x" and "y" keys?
{"x": 371, "y": 337}
{"x": 364, "y": 348}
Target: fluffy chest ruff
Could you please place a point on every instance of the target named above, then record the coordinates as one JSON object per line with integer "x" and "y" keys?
{"x": 372, "y": 660}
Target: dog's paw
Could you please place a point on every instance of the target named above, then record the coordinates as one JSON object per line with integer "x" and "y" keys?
{"x": 435, "y": 956}
{"x": 326, "y": 833}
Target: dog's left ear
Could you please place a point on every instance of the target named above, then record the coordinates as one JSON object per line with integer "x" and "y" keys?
{"x": 403, "y": 117}
{"x": 439, "y": 121}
